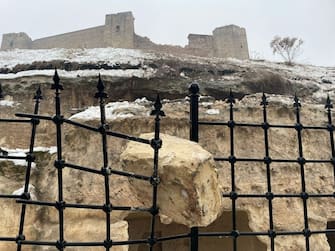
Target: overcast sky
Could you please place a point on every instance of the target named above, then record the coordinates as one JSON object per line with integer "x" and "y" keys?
{"x": 170, "y": 21}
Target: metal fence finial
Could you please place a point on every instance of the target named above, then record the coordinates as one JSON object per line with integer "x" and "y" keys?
{"x": 329, "y": 104}
{"x": 101, "y": 89}
{"x": 297, "y": 103}
{"x": 264, "y": 100}
{"x": 158, "y": 107}
{"x": 56, "y": 86}
{"x": 38, "y": 93}
{"x": 194, "y": 88}
{"x": 231, "y": 98}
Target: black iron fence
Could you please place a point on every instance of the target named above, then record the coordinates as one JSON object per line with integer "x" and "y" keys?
{"x": 235, "y": 234}
{"x": 195, "y": 236}
{"x": 106, "y": 171}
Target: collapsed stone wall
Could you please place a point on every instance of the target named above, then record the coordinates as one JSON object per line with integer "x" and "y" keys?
{"x": 118, "y": 32}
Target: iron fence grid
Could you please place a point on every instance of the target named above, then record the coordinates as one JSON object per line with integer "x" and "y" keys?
{"x": 195, "y": 235}
{"x": 267, "y": 160}
{"x": 60, "y": 163}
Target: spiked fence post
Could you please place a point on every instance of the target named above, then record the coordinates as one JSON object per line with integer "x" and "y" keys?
{"x": 330, "y": 127}
{"x": 232, "y": 160}
{"x": 156, "y": 144}
{"x": 107, "y": 208}
{"x": 59, "y": 163}
{"x": 267, "y": 161}
{"x": 30, "y": 159}
{"x": 301, "y": 160}
{"x": 194, "y": 136}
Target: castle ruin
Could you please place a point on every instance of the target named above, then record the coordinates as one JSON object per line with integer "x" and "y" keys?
{"x": 118, "y": 32}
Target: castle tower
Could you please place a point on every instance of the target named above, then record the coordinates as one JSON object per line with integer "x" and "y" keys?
{"x": 230, "y": 41}
{"x": 16, "y": 40}
{"x": 119, "y": 30}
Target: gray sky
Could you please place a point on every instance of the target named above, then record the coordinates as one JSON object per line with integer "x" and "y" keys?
{"x": 170, "y": 21}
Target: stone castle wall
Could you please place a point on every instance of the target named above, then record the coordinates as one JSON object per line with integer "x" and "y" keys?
{"x": 88, "y": 38}
{"x": 230, "y": 41}
{"x": 118, "y": 32}
{"x": 16, "y": 40}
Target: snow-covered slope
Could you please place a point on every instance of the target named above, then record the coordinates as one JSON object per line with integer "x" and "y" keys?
{"x": 166, "y": 73}
{"x": 110, "y": 56}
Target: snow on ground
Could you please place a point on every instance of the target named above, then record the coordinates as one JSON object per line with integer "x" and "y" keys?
{"x": 309, "y": 75}
{"x": 110, "y": 56}
{"x": 116, "y": 110}
{"x": 22, "y": 153}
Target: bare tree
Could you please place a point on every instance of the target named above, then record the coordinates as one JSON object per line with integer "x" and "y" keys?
{"x": 288, "y": 48}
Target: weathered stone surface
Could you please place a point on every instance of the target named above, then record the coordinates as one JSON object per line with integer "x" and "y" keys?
{"x": 189, "y": 192}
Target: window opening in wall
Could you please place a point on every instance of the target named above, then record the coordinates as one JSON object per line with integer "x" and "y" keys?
{"x": 118, "y": 28}
{"x": 11, "y": 44}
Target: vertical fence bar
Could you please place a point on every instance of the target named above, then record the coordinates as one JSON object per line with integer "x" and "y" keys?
{"x": 194, "y": 111}
{"x": 302, "y": 161}
{"x": 232, "y": 160}
{"x": 59, "y": 163}
{"x": 194, "y": 136}
{"x": 330, "y": 128}
{"x": 267, "y": 161}
{"x": 156, "y": 144}
{"x": 1, "y": 92}
{"x": 101, "y": 95}
{"x": 30, "y": 159}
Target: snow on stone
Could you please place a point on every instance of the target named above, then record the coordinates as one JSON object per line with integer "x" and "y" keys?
{"x": 110, "y": 56}
{"x": 6, "y": 103}
{"x": 31, "y": 190}
{"x": 128, "y": 73}
{"x": 116, "y": 110}
{"x": 23, "y": 153}
{"x": 213, "y": 111}
{"x": 51, "y": 149}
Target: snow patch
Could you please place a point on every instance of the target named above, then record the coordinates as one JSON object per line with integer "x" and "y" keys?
{"x": 31, "y": 190}
{"x": 50, "y": 150}
{"x": 115, "y": 110}
{"x": 23, "y": 153}
{"x": 6, "y": 103}
{"x": 213, "y": 111}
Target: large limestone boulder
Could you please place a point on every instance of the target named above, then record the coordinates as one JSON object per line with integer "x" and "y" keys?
{"x": 189, "y": 191}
